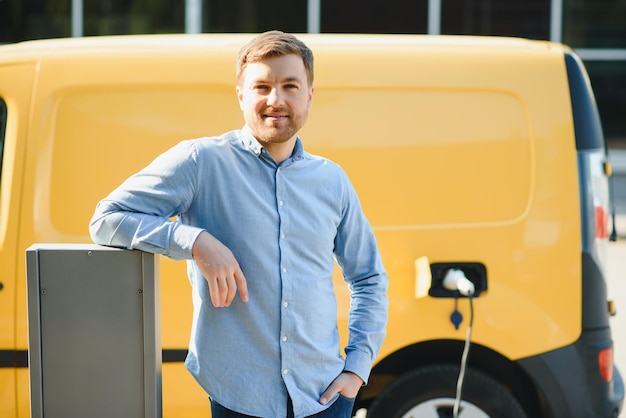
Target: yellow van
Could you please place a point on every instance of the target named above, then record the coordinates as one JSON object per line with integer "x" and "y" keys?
{"x": 483, "y": 155}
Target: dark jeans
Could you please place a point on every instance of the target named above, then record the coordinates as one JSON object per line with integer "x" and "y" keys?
{"x": 341, "y": 408}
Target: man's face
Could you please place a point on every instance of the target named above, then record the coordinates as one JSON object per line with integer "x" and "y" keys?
{"x": 275, "y": 98}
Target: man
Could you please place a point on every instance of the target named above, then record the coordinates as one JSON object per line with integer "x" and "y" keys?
{"x": 259, "y": 216}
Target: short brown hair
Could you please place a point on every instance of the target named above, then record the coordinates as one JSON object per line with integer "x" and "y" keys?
{"x": 274, "y": 44}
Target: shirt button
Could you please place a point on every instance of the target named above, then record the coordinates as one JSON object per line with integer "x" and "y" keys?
{"x": 285, "y": 371}
{"x": 284, "y": 270}
{"x": 285, "y": 304}
{"x": 285, "y": 338}
{"x": 280, "y": 203}
{"x": 282, "y": 236}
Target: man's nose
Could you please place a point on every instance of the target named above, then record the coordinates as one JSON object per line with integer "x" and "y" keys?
{"x": 275, "y": 97}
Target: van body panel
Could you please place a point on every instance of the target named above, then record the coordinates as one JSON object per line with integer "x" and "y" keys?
{"x": 470, "y": 128}
{"x": 17, "y": 98}
{"x": 485, "y": 134}
{"x": 462, "y": 149}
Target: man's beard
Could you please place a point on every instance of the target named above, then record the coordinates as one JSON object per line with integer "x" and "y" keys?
{"x": 276, "y": 135}
{"x": 280, "y": 131}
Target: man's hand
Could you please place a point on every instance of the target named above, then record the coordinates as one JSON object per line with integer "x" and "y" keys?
{"x": 347, "y": 384}
{"x": 220, "y": 269}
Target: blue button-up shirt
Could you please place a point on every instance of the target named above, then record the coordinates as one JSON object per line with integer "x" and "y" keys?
{"x": 284, "y": 223}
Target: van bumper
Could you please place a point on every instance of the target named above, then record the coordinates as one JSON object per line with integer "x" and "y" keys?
{"x": 570, "y": 382}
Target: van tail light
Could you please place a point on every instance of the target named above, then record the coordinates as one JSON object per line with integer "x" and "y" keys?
{"x": 605, "y": 363}
{"x": 595, "y": 199}
{"x": 602, "y": 223}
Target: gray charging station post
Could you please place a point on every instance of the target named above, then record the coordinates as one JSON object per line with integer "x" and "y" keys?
{"x": 94, "y": 332}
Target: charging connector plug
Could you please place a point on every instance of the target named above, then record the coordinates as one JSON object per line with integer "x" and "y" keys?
{"x": 455, "y": 280}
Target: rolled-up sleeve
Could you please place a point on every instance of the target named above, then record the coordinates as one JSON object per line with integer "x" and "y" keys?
{"x": 141, "y": 213}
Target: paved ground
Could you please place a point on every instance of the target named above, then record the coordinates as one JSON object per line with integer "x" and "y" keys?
{"x": 617, "y": 261}
{"x": 617, "y": 291}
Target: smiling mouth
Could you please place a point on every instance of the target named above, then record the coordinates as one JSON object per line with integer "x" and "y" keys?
{"x": 274, "y": 114}
{"x": 275, "y": 117}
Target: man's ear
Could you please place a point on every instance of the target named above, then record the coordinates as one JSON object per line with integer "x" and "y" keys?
{"x": 311, "y": 90}
{"x": 239, "y": 96}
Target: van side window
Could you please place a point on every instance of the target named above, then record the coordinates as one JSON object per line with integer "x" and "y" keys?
{"x": 3, "y": 127}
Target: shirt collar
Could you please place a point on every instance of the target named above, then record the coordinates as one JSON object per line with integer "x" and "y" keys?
{"x": 251, "y": 143}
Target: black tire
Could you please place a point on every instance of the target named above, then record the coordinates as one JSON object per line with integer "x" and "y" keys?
{"x": 430, "y": 391}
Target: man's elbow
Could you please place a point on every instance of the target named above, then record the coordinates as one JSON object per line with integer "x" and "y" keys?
{"x": 96, "y": 230}
{"x": 99, "y": 230}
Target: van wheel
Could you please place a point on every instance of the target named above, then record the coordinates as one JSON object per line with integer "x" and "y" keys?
{"x": 430, "y": 392}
